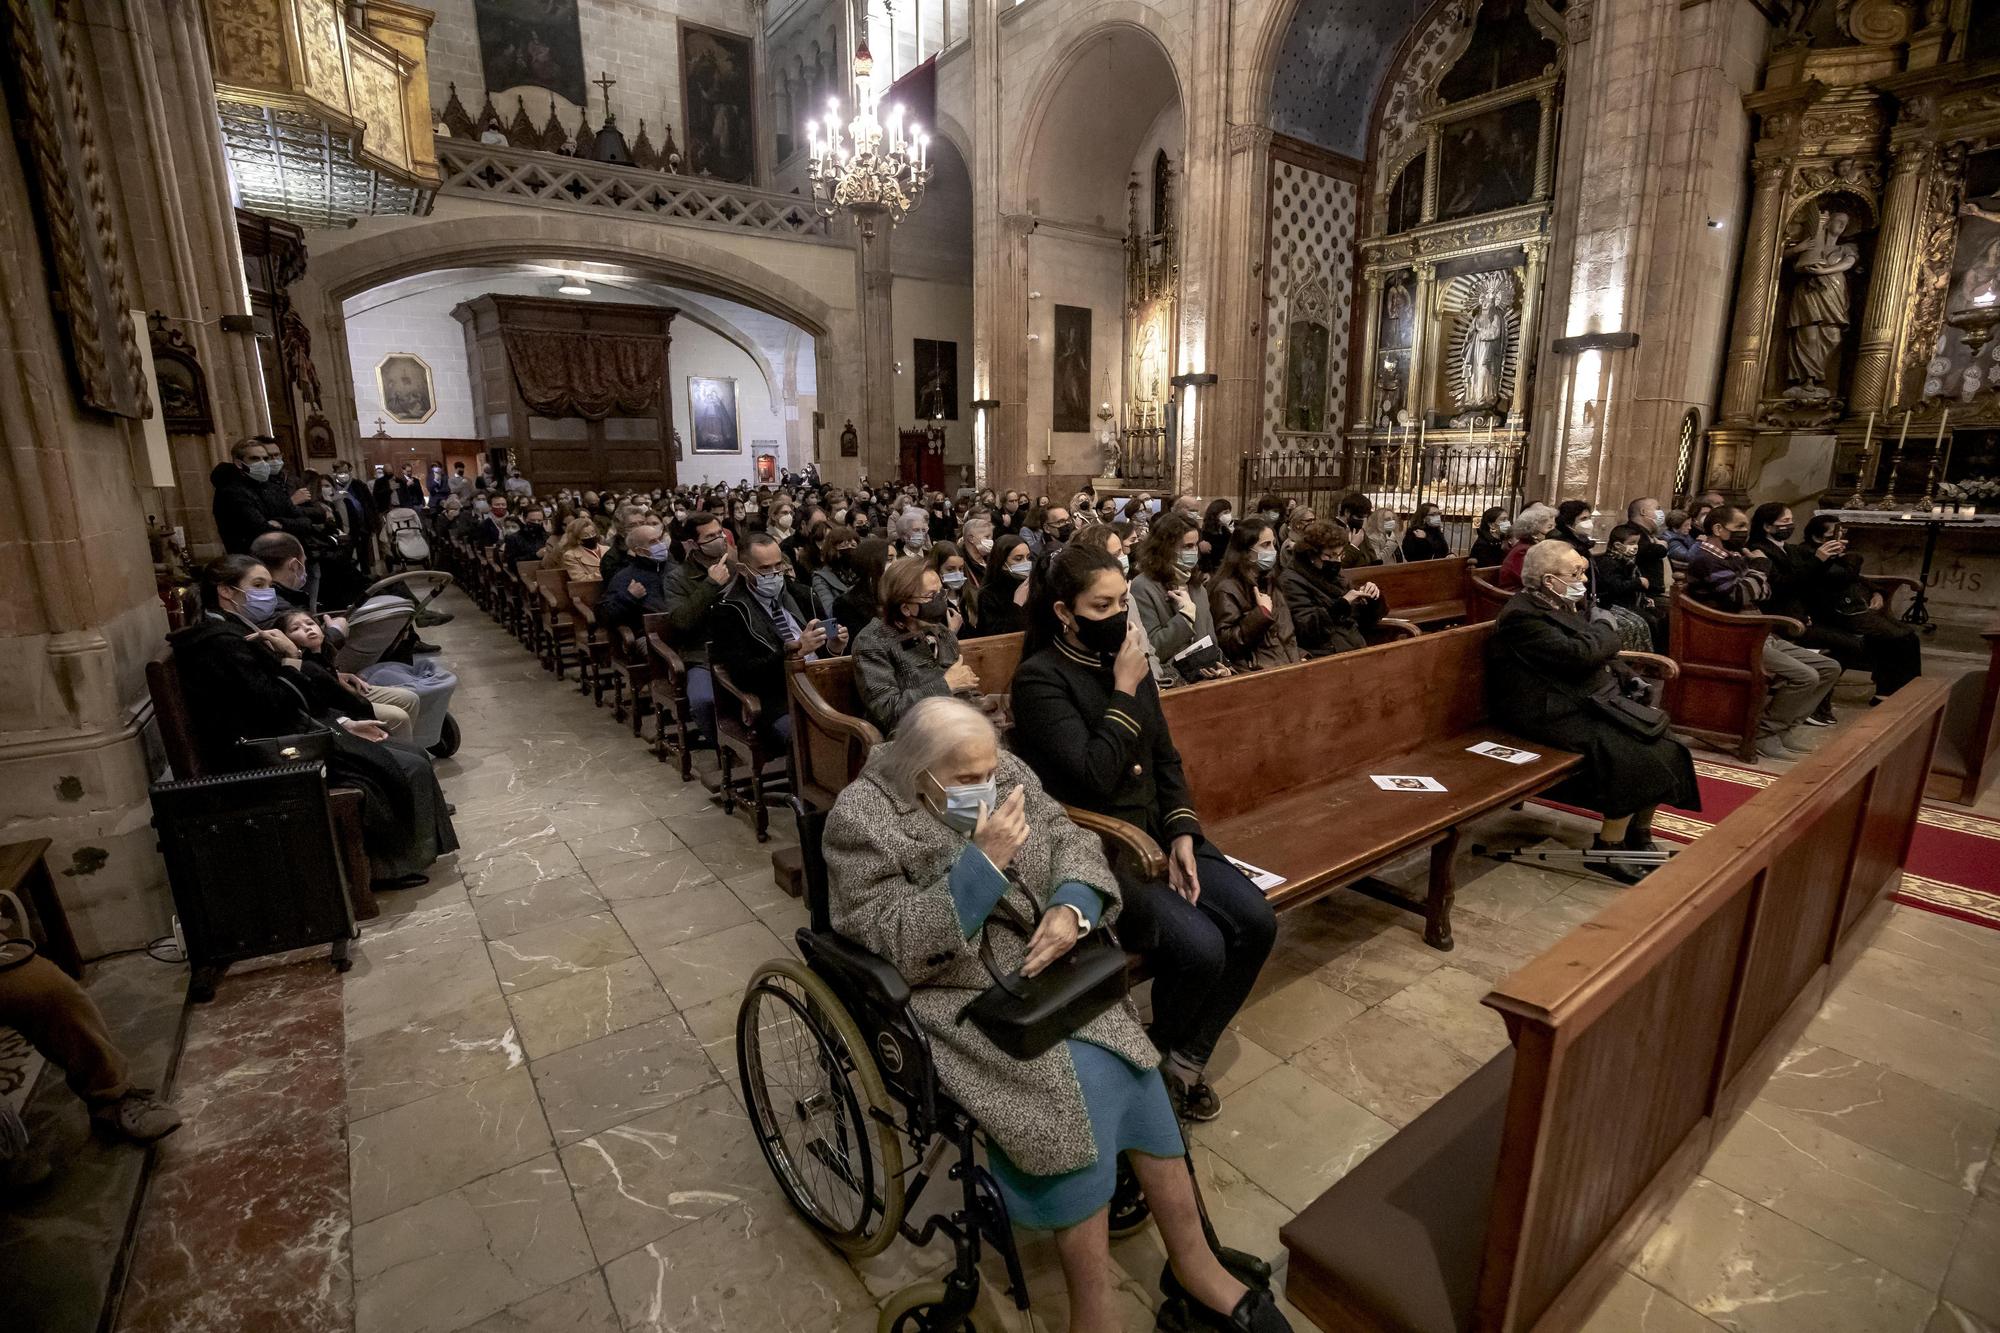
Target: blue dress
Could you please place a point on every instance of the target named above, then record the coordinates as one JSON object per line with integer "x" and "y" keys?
{"x": 1128, "y": 1106}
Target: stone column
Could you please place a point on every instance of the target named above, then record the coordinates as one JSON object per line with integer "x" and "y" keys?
{"x": 1229, "y": 413}
{"x": 873, "y": 284}
{"x": 1216, "y": 197}
{"x": 1756, "y": 298}
{"x": 764, "y": 145}
{"x": 999, "y": 265}
{"x": 1897, "y": 251}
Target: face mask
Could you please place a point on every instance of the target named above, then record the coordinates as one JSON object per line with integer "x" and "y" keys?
{"x": 660, "y": 550}
{"x": 1659, "y": 517}
{"x": 1354, "y": 525}
{"x": 260, "y": 604}
{"x": 1065, "y": 532}
{"x": 1186, "y": 558}
{"x": 1626, "y": 552}
{"x": 590, "y": 543}
{"x": 1503, "y": 527}
{"x": 263, "y": 470}
{"x": 1782, "y": 535}
{"x": 749, "y": 511}
{"x": 1102, "y": 637}
{"x": 1124, "y": 563}
{"x": 770, "y": 585}
{"x": 510, "y": 527}
{"x": 783, "y": 523}
{"x": 955, "y": 579}
{"x": 1584, "y": 527}
{"x": 1228, "y": 522}
{"x": 1574, "y": 591}
{"x": 1388, "y": 527}
{"x": 932, "y": 609}
{"x": 714, "y": 547}
{"x": 342, "y": 478}
{"x": 961, "y": 805}
{"x": 1434, "y": 521}
{"x": 1269, "y": 515}
{"x": 680, "y": 515}
{"x": 1735, "y": 541}
{"x": 1266, "y": 558}
{"x": 1020, "y": 571}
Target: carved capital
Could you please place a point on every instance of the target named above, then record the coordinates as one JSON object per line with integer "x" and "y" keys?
{"x": 1243, "y": 138}
{"x": 1579, "y": 19}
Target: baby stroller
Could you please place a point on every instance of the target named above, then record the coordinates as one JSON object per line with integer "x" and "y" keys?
{"x": 403, "y": 534}
{"x": 380, "y": 635}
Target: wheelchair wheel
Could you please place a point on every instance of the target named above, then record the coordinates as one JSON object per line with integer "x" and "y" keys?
{"x": 918, "y": 1310}
{"x": 448, "y": 739}
{"x": 820, "y": 1112}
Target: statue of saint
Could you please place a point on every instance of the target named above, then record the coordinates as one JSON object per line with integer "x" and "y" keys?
{"x": 1817, "y": 316}
{"x": 1482, "y": 358}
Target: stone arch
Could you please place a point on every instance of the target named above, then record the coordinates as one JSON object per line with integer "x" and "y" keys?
{"x": 670, "y": 254}
{"x": 1072, "y": 40}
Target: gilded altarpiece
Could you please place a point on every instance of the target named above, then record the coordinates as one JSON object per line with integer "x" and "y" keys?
{"x": 1861, "y": 348}
{"x": 1452, "y": 265}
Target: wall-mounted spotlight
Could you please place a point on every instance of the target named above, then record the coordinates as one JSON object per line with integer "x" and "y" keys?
{"x": 573, "y": 286}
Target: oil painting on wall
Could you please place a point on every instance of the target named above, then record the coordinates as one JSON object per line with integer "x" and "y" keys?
{"x": 1071, "y": 370}
{"x": 1487, "y": 162}
{"x": 534, "y": 43}
{"x": 712, "y": 407}
{"x": 717, "y": 100}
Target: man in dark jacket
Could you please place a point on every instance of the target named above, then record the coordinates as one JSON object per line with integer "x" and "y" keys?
{"x": 530, "y": 539}
{"x": 691, "y": 590}
{"x": 759, "y": 624}
{"x": 492, "y": 528}
{"x": 1725, "y": 574}
{"x": 249, "y": 500}
{"x": 637, "y": 588}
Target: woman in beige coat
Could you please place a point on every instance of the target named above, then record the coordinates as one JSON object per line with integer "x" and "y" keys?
{"x": 942, "y": 838}
{"x": 582, "y": 551}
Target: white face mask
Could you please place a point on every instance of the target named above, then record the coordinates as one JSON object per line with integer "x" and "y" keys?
{"x": 1573, "y": 592}
{"x": 1585, "y": 526}
{"x": 1503, "y": 527}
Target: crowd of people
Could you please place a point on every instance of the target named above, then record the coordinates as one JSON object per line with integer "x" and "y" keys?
{"x": 1118, "y": 599}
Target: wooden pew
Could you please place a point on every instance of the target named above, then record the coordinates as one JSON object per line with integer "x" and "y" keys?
{"x": 1429, "y": 593}
{"x": 1513, "y": 1203}
{"x": 1965, "y": 761}
{"x": 1483, "y": 596}
{"x": 1721, "y": 692}
{"x": 183, "y": 751}
{"x": 1257, "y": 749}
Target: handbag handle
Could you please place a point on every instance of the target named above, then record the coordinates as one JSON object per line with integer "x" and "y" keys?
{"x": 16, "y": 910}
{"x": 986, "y": 944}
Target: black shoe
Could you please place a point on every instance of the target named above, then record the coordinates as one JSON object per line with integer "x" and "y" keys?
{"x": 1639, "y": 839}
{"x": 1192, "y": 1101}
{"x": 427, "y": 617}
{"x": 1823, "y": 716}
{"x": 421, "y": 646}
{"x": 400, "y": 882}
{"x": 1256, "y": 1312}
{"x": 1246, "y": 1268}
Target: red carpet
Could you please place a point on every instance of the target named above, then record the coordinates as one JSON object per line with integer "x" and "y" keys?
{"x": 1954, "y": 866}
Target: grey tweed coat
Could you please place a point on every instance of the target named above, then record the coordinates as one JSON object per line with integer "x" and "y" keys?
{"x": 889, "y": 863}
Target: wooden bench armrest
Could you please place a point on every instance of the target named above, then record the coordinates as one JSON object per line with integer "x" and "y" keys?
{"x": 1146, "y": 853}
{"x": 1397, "y": 628}
{"x": 1651, "y": 664}
{"x": 1890, "y": 584}
{"x": 827, "y": 720}
{"x": 751, "y": 707}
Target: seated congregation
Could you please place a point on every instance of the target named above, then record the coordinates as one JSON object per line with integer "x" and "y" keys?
{"x": 1042, "y": 755}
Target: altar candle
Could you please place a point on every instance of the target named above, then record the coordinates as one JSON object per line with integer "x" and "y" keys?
{"x": 1868, "y": 437}
{"x": 1945, "y": 464}
{"x": 1906, "y": 431}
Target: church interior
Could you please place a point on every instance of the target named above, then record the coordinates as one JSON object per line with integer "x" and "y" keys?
{"x": 576, "y": 570}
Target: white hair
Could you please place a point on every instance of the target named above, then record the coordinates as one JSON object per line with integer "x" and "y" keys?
{"x": 933, "y": 731}
{"x": 1538, "y": 519}
{"x": 1542, "y": 560}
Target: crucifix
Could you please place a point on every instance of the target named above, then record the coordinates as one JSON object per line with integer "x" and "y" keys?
{"x": 604, "y": 81}
{"x": 381, "y": 428}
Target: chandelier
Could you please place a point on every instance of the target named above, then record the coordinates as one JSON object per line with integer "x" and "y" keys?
{"x": 876, "y": 169}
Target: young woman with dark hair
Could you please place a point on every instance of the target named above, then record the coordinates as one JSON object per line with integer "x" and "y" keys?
{"x": 1087, "y": 719}
{"x": 1252, "y": 623}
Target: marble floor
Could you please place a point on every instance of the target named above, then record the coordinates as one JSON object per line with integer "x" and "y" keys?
{"x": 544, "y": 1128}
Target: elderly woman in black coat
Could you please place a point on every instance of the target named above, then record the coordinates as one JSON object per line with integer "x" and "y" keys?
{"x": 1544, "y": 664}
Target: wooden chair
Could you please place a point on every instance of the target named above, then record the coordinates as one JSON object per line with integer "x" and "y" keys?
{"x": 1721, "y": 692}
{"x": 631, "y": 666}
{"x": 1483, "y": 597}
{"x": 667, "y": 682}
{"x": 1964, "y": 764}
{"x": 740, "y": 737}
{"x": 523, "y": 592}
{"x": 1514, "y": 1203}
{"x": 183, "y": 751}
{"x": 594, "y": 647}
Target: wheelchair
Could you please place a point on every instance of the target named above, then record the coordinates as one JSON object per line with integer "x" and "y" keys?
{"x": 846, "y": 1106}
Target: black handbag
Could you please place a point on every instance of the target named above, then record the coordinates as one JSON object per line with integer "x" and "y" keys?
{"x": 1627, "y": 714}
{"x": 310, "y": 747}
{"x": 1025, "y": 1016}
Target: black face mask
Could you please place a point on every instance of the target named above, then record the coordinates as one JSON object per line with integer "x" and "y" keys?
{"x": 1065, "y": 532}
{"x": 1354, "y": 525}
{"x": 1735, "y": 541}
{"x": 1102, "y": 637}
{"x": 590, "y": 543}
{"x": 1780, "y": 535}
{"x": 932, "y": 611}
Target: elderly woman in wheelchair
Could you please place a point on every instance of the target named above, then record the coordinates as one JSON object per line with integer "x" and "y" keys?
{"x": 943, "y": 847}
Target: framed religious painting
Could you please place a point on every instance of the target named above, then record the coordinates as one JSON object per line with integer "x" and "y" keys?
{"x": 712, "y": 414}
{"x": 718, "y": 104}
{"x": 1071, "y": 370}
{"x": 409, "y": 395}
{"x": 531, "y": 43}
{"x": 1486, "y": 162}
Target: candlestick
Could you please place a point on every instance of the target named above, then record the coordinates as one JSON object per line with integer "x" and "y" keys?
{"x": 1864, "y": 474}
{"x": 1896, "y": 460}
{"x": 1944, "y": 464}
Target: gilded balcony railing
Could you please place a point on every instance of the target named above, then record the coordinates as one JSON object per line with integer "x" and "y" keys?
{"x": 325, "y": 106}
